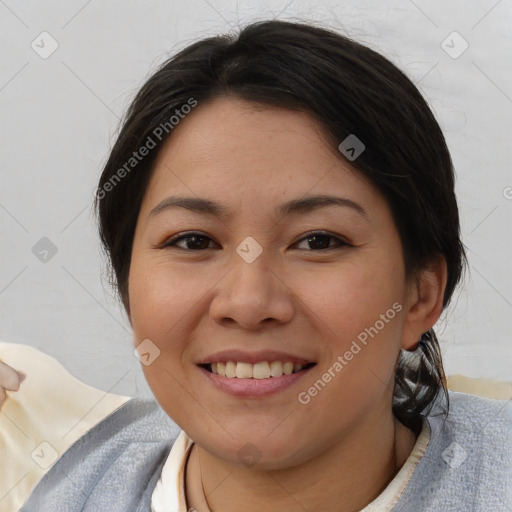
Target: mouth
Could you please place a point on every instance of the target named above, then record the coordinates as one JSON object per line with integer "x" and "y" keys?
{"x": 259, "y": 371}
{"x": 254, "y": 380}
{"x": 248, "y": 374}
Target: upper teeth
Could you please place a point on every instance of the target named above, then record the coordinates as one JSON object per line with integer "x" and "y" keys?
{"x": 262, "y": 370}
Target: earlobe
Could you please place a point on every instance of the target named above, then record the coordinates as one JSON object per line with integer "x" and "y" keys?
{"x": 424, "y": 302}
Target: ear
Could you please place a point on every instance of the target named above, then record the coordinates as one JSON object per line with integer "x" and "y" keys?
{"x": 424, "y": 302}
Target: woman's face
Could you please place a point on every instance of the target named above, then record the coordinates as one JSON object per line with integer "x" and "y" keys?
{"x": 269, "y": 275}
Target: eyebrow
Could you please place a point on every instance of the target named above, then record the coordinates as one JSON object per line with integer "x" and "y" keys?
{"x": 295, "y": 206}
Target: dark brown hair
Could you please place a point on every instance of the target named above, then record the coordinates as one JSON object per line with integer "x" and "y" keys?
{"x": 349, "y": 89}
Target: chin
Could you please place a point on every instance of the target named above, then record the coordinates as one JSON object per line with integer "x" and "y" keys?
{"x": 258, "y": 453}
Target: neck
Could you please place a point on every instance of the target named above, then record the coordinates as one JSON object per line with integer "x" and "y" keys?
{"x": 348, "y": 476}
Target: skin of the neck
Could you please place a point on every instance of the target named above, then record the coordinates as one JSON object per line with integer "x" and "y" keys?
{"x": 348, "y": 476}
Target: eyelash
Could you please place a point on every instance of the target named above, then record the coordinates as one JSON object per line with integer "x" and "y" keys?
{"x": 177, "y": 238}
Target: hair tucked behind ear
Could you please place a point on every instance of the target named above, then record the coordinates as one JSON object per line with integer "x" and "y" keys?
{"x": 351, "y": 90}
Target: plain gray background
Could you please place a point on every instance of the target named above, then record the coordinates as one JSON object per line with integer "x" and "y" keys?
{"x": 59, "y": 116}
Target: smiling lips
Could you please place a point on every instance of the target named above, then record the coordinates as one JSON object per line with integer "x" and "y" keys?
{"x": 261, "y": 370}
{"x": 261, "y": 365}
{"x": 253, "y": 380}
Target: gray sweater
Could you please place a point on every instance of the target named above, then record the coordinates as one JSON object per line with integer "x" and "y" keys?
{"x": 115, "y": 466}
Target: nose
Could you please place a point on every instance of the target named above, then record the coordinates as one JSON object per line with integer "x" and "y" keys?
{"x": 252, "y": 295}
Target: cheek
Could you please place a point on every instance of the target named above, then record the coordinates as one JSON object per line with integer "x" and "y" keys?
{"x": 159, "y": 298}
{"x": 162, "y": 310}
{"x": 359, "y": 312}
{"x": 352, "y": 297}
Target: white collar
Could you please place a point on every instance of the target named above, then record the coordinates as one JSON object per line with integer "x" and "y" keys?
{"x": 169, "y": 493}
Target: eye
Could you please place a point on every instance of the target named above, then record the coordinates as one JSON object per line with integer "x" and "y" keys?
{"x": 193, "y": 241}
{"x": 321, "y": 241}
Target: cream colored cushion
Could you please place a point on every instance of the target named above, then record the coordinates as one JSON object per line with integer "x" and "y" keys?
{"x": 486, "y": 388}
{"x": 50, "y": 410}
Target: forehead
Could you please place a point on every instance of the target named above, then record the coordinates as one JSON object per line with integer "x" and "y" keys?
{"x": 234, "y": 149}
{"x": 228, "y": 128}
